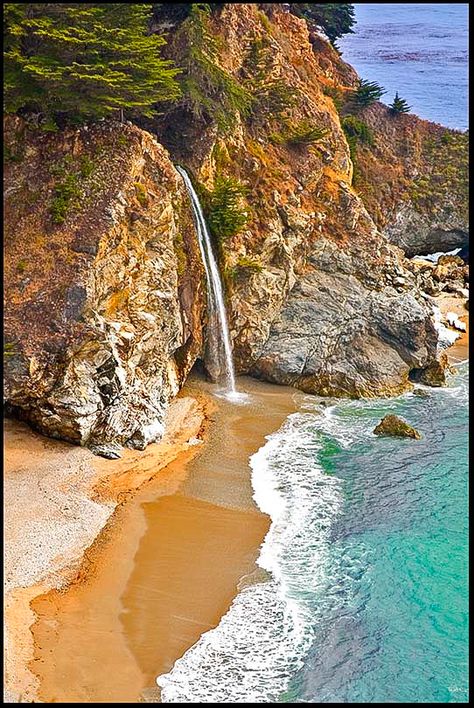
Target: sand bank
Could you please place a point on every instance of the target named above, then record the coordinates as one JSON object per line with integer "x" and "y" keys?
{"x": 58, "y": 498}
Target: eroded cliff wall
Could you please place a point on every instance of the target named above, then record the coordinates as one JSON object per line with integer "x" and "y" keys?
{"x": 318, "y": 298}
{"x": 104, "y": 295}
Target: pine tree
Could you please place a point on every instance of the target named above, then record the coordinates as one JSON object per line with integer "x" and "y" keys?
{"x": 82, "y": 60}
{"x": 367, "y": 92}
{"x": 335, "y": 19}
{"x": 399, "y": 105}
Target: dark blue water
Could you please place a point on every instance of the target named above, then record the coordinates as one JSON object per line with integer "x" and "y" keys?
{"x": 419, "y": 50}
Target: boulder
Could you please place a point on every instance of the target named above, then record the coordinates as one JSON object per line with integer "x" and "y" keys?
{"x": 393, "y": 426}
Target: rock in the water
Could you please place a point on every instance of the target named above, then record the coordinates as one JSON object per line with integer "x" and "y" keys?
{"x": 392, "y": 425}
{"x": 421, "y": 392}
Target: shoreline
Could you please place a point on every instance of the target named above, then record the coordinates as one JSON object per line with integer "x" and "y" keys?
{"x": 459, "y": 350}
{"x": 122, "y": 487}
{"x": 171, "y": 558}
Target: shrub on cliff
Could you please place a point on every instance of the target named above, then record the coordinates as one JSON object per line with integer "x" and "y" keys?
{"x": 366, "y": 93}
{"x": 271, "y": 94}
{"x": 353, "y": 127}
{"x": 208, "y": 90}
{"x": 356, "y": 132}
{"x": 302, "y": 133}
{"x": 335, "y": 19}
{"x": 223, "y": 208}
{"x": 80, "y": 61}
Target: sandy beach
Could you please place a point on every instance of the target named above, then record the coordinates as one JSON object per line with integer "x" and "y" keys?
{"x": 165, "y": 569}
{"x": 58, "y": 498}
{"x": 459, "y": 351}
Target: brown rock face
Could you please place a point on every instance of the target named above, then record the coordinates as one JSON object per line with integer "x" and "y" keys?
{"x": 104, "y": 286}
{"x": 103, "y": 309}
{"x": 434, "y": 374}
{"x": 331, "y": 308}
{"x": 393, "y": 426}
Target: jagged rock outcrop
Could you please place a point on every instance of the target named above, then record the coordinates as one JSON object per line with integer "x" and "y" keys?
{"x": 105, "y": 295}
{"x": 103, "y": 308}
{"x": 413, "y": 180}
{"x": 316, "y": 310}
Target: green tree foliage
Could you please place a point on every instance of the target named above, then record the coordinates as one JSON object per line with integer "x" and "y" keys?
{"x": 208, "y": 90}
{"x": 366, "y": 93}
{"x": 357, "y": 129}
{"x": 356, "y": 132}
{"x": 82, "y": 60}
{"x": 223, "y": 207}
{"x": 302, "y": 133}
{"x": 399, "y": 105}
{"x": 334, "y": 19}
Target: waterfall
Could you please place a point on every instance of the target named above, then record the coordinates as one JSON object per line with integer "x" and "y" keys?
{"x": 216, "y": 306}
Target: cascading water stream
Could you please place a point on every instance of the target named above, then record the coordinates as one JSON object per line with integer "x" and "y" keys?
{"x": 214, "y": 288}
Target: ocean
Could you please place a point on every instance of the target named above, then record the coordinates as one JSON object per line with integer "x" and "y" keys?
{"x": 417, "y": 49}
{"x": 367, "y": 554}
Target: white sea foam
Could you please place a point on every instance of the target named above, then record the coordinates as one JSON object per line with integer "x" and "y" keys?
{"x": 262, "y": 640}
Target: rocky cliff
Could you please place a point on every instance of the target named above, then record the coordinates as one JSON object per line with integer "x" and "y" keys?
{"x": 105, "y": 297}
{"x": 318, "y": 297}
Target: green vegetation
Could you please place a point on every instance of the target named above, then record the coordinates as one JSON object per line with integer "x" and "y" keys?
{"x": 71, "y": 174}
{"x": 66, "y": 196}
{"x": 225, "y": 214}
{"x": 9, "y": 349}
{"x": 334, "y": 19}
{"x": 399, "y": 105}
{"x": 446, "y": 178}
{"x": 244, "y": 267}
{"x": 355, "y": 128}
{"x": 87, "y": 166}
{"x": 141, "y": 193}
{"x": 366, "y": 93}
{"x": 71, "y": 62}
{"x": 302, "y": 133}
{"x": 356, "y": 132}
{"x": 12, "y": 154}
{"x": 208, "y": 90}
{"x": 271, "y": 95}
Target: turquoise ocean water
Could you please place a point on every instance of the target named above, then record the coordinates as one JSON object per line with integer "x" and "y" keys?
{"x": 367, "y": 551}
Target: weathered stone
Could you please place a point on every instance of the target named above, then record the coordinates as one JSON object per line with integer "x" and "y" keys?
{"x": 107, "y": 330}
{"x": 393, "y": 426}
{"x": 434, "y": 374}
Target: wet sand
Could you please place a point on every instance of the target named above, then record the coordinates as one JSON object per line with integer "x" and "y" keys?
{"x": 58, "y": 499}
{"x": 166, "y": 568}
